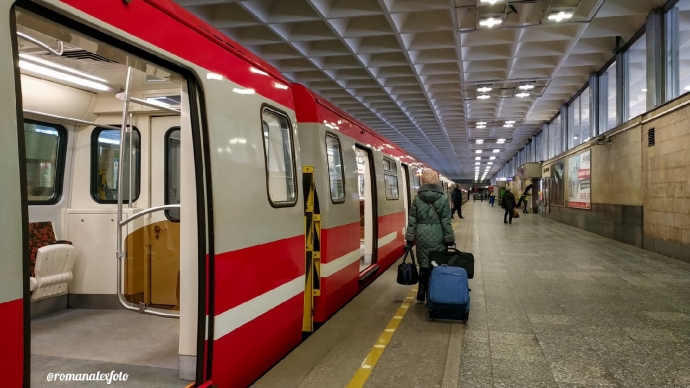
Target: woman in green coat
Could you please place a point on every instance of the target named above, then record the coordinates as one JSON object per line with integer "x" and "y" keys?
{"x": 429, "y": 223}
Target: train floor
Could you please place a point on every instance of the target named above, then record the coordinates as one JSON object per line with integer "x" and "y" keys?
{"x": 88, "y": 341}
{"x": 552, "y": 306}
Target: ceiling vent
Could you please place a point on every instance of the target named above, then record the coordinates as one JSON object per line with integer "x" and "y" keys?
{"x": 86, "y": 55}
{"x": 650, "y": 137}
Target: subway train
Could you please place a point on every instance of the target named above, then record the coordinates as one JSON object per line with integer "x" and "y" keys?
{"x": 177, "y": 195}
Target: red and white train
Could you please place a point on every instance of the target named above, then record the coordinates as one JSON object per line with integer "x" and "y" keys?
{"x": 208, "y": 126}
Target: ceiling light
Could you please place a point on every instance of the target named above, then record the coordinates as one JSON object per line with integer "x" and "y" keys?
{"x": 510, "y": 122}
{"x": 490, "y": 22}
{"x": 480, "y": 141}
{"x": 508, "y": 125}
{"x": 687, "y": 87}
{"x": 501, "y": 141}
{"x": 490, "y": 163}
{"x": 484, "y": 89}
{"x": 492, "y": 2}
{"x": 575, "y": 137}
{"x": 477, "y": 164}
{"x": 481, "y": 126}
{"x": 478, "y": 151}
{"x": 484, "y": 122}
{"x": 644, "y": 90}
{"x": 496, "y": 151}
{"x": 522, "y": 95}
{"x": 483, "y": 97}
{"x": 32, "y": 67}
{"x": 526, "y": 87}
{"x": 478, "y": 158}
{"x": 560, "y": 16}
{"x": 492, "y": 158}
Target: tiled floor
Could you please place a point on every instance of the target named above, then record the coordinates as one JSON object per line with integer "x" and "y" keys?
{"x": 554, "y": 306}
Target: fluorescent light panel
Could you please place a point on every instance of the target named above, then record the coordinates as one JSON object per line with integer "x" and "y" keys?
{"x": 32, "y": 67}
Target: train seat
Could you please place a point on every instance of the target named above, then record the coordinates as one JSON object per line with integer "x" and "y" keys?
{"x": 51, "y": 262}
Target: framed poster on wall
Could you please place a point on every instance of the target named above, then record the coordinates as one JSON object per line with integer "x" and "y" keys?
{"x": 579, "y": 181}
{"x": 557, "y": 192}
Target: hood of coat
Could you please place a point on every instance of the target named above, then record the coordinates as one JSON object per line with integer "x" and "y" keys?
{"x": 430, "y": 193}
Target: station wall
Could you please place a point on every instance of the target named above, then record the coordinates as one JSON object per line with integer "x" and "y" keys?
{"x": 640, "y": 192}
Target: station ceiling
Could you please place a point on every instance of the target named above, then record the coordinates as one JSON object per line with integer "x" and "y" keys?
{"x": 414, "y": 70}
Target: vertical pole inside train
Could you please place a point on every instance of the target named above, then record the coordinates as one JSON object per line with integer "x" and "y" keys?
{"x": 312, "y": 247}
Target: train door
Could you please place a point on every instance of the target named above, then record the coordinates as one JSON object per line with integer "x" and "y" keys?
{"x": 131, "y": 302}
{"x": 367, "y": 212}
{"x": 164, "y": 227}
{"x": 13, "y": 213}
{"x": 406, "y": 192}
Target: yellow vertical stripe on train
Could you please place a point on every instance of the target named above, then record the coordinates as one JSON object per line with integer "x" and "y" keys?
{"x": 373, "y": 357}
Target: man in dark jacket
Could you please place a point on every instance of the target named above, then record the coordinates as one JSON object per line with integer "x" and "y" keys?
{"x": 456, "y": 197}
{"x": 429, "y": 223}
{"x": 508, "y": 202}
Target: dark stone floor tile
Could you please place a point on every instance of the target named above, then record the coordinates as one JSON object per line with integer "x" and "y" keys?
{"x": 583, "y": 373}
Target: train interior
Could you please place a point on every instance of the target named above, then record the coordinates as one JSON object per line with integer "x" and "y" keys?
{"x": 73, "y": 88}
{"x": 366, "y": 244}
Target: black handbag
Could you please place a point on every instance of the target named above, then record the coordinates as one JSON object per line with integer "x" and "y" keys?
{"x": 454, "y": 258}
{"x": 407, "y": 272}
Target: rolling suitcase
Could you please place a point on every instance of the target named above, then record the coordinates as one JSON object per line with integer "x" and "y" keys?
{"x": 454, "y": 258}
{"x": 449, "y": 294}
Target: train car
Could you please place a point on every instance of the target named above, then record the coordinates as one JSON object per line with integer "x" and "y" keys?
{"x": 159, "y": 219}
{"x": 363, "y": 190}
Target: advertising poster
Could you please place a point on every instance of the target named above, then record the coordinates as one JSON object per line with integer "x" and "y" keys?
{"x": 557, "y": 184}
{"x": 579, "y": 181}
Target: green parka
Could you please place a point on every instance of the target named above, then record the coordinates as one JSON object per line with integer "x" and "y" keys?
{"x": 430, "y": 229}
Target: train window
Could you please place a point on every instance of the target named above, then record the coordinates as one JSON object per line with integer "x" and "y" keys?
{"x": 172, "y": 172}
{"x": 105, "y": 160}
{"x": 280, "y": 163}
{"x": 45, "y": 160}
{"x": 390, "y": 177}
{"x": 335, "y": 168}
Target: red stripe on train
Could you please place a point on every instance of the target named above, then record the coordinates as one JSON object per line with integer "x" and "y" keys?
{"x": 12, "y": 340}
{"x": 193, "y": 40}
{"x": 243, "y": 355}
{"x": 338, "y": 241}
{"x": 242, "y": 275}
{"x": 336, "y": 291}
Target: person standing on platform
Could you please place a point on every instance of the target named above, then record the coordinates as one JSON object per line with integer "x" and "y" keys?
{"x": 456, "y": 197}
{"x": 492, "y": 199}
{"x": 429, "y": 223}
{"x": 508, "y": 201}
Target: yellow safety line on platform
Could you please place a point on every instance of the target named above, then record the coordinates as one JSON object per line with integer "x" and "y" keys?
{"x": 373, "y": 357}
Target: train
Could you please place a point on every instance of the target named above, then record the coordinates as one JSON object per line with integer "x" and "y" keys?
{"x": 169, "y": 181}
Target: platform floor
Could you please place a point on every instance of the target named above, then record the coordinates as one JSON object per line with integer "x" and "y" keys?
{"x": 552, "y": 306}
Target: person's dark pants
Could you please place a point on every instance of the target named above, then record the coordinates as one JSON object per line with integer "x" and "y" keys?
{"x": 424, "y": 276}
{"x": 508, "y": 217}
{"x": 525, "y": 209}
{"x": 456, "y": 206}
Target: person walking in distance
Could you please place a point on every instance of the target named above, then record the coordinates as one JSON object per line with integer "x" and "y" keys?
{"x": 456, "y": 197}
{"x": 492, "y": 199}
{"x": 429, "y": 223}
{"x": 508, "y": 201}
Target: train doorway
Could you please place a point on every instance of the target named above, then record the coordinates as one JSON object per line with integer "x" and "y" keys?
{"x": 367, "y": 213}
{"x": 406, "y": 193}
{"x": 110, "y": 168}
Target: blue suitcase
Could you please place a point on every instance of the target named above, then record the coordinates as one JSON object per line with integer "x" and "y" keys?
{"x": 449, "y": 294}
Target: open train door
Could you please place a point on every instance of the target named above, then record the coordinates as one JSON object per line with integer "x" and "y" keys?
{"x": 13, "y": 215}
